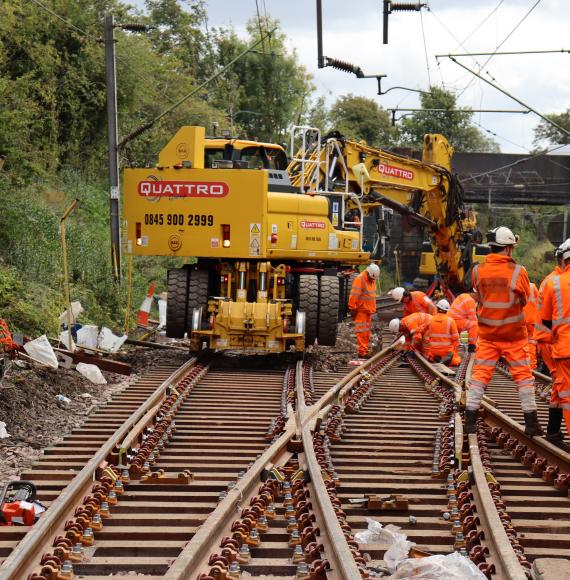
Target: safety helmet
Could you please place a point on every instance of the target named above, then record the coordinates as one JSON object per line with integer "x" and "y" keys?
{"x": 394, "y": 325}
{"x": 501, "y": 236}
{"x": 398, "y": 293}
{"x": 443, "y": 305}
{"x": 564, "y": 249}
{"x": 373, "y": 271}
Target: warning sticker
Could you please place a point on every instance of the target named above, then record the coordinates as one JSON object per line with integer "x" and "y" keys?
{"x": 333, "y": 242}
{"x": 214, "y": 242}
{"x": 255, "y": 229}
{"x": 294, "y": 242}
{"x": 254, "y": 247}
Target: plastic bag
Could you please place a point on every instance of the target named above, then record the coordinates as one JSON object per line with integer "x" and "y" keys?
{"x": 451, "y": 567}
{"x": 3, "y": 433}
{"x": 109, "y": 341}
{"x": 64, "y": 339}
{"x": 390, "y": 535}
{"x": 40, "y": 350}
{"x": 161, "y": 314}
{"x": 91, "y": 372}
{"x": 76, "y": 310}
{"x": 87, "y": 336}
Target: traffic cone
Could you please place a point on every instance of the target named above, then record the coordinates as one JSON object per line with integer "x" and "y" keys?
{"x": 144, "y": 310}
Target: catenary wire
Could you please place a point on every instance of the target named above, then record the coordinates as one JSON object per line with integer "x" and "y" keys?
{"x": 425, "y": 49}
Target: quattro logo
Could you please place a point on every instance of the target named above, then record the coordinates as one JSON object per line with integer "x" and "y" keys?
{"x": 308, "y": 225}
{"x": 393, "y": 171}
{"x": 183, "y": 189}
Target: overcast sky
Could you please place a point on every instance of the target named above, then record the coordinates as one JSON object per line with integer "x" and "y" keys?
{"x": 353, "y": 32}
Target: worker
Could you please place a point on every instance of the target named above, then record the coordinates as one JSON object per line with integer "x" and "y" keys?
{"x": 464, "y": 311}
{"x": 7, "y": 345}
{"x": 414, "y": 301}
{"x": 502, "y": 288}
{"x": 530, "y": 311}
{"x": 414, "y": 329}
{"x": 362, "y": 305}
{"x": 543, "y": 337}
{"x": 443, "y": 336}
{"x": 555, "y": 313}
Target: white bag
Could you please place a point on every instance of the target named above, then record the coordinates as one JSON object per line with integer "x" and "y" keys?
{"x": 109, "y": 341}
{"x": 451, "y": 567}
{"x": 87, "y": 336}
{"x": 40, "y": 350}
{"x": 64, "y": 338}
{"x": 161, "y": 314}
{"x": 91, "y": 372}
{"x": 76, "y": 310}
{"x": 3, "y": 433}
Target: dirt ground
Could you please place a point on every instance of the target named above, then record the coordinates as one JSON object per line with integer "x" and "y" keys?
{"x": 35, "y": 419}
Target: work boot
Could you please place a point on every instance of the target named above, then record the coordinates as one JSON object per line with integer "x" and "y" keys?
{"x": 531, "y": 425}
{"x": 557, "y": 439}
{"x": 554, "y": 421}
{"x": 470, "y": 421}
{"x": 471, "y": 348}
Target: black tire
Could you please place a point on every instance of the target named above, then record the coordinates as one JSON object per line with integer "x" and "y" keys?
{"x": 345, "y": 285}
{"x": 177, "y": 286}
{"x": 198, "y": 291}
{"x": 328, "y": 310}
{"x": 308, "y": 302}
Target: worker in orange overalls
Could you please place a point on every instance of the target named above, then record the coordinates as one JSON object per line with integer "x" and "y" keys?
{"x": 530, "y": 312}
{"x": 502, "y": 288}
{"x": 543, "y": 337}
{"x": 362, "y": 305}
{"x": 414, "y": 329}
{"x": 464, "y": 311}
{"x": 414, "y": 301}
{"x": 443, "y": 336}
{"x": 6, "y": 342}
{"x": 555, "y": 313}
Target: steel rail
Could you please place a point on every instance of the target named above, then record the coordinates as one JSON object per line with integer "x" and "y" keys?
{"x": 195, "y": 553}
{"x": 337, "y": 551}
{"x": 29, "y": 550}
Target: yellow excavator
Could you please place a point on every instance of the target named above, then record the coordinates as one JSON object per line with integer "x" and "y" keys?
{"x": 369, "y": 181}
{"x": 270, "y": 246}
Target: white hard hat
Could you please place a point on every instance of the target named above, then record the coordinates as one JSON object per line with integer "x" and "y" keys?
{"x": 394, "y": 325}
{"x": 398, "y": 293}
{"x": 373, "y": 271}
{"x": 443, "y": 305}
{"x": 501, "y": 236}
{"x": 564, "y": 249}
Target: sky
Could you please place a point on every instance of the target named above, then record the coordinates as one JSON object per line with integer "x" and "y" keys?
{"x": 353, "y": 32}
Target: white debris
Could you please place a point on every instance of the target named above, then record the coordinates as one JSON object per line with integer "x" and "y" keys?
{"x": 41, "y": 351}
{"x": 92, "y": 373}
{"x": 110, "y": 342}
{"x": 3, "y": 433}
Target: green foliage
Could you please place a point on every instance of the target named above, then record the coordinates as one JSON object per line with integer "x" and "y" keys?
{"x": 362, "y": 118}
{"x": 547, "y": 132}
{"x": 455, "y": 126}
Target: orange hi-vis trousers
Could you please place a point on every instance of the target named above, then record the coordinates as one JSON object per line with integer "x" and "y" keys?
{"x": 363, "y": 330}
{"x": 516, "y": 356}
{"x": 561, "y": 389}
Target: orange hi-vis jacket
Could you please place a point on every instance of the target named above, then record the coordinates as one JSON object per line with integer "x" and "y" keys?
{"x": 363, "y": 294}
{"x": 502, "y": 288}
{"x": 556, "y": 307}
{"x": 464, "y": 308}
{"x": 6, "y": 342}
{"x": 414, "y": 327}
{"x": 530, "y": 312}
{"x": 419, "y": 302}
{"x": 543, "y": 333}
{"x": 442, "y": 335}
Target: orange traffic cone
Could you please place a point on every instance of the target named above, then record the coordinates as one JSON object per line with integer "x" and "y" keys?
{"x": 144, "y": 310}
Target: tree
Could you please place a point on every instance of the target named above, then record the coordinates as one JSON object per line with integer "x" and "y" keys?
{"x": 362, "y": 118}
{"x": 547, "y": 132}
{"x": 265, "y": 91}
{"x": 453, "y": 123}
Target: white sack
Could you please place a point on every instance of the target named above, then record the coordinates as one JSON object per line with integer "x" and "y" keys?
{"x": 3, "y": 433}
{"x": 64, "y": 338}
{"x": 161, "y": 314}
{"x": 40, "y": 349}
{"x": 451, "y": 567}
{"x": 76, "y": 310}
{"x": 87, "y": 336}
{"x": 91, "y": 372}
{"x": 109, "y": 341}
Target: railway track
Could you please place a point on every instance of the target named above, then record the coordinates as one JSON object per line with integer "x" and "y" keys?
{"x": 227, "y": 471}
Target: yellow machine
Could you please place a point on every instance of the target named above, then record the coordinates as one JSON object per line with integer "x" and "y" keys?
{"x": 275, "y": 245}
{"x": 373, "y": 179}
{"x": 428, "y": 267}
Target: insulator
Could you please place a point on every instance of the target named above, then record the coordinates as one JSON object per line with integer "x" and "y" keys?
{"x": 344, "y": 66}
{"x": 405, "y": 6}
{"x": 133, "y": 26}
